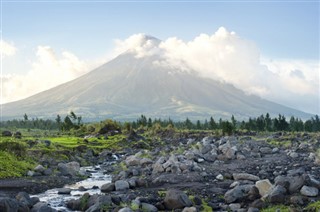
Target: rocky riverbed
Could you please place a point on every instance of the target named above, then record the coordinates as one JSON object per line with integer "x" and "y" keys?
{"x": 189, "y": 172}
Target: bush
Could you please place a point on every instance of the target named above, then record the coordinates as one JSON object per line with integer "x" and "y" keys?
{"x": 16, "y": 148}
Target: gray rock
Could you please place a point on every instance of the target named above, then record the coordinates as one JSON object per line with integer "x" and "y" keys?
{"x": 238, "y": 193}
{"x": 210, "y": 157}
{"x": 277, "y": 195}
{"x": 309, "y": 191}
{"x": 294, "y": 183}
{"x": 71, "y": 168}
{"x": 8, "y": 204}
{"x": 189, "y": 209}
{"x": 265, "y": 150}
{"x": 39, "y": 168}
{"x": 132, "y": 160}
{"x": 125, "y": 210}
{"x": 30, "y": 173}
{"x": 145, "y": 162}
{"x": 24, "y": 198}
{"x": 121, "y": 185}
{"x": 157, "y": 168}
{"x": 64, "y": 190}
{"x": 219, "y": 177}
{"x": 132, "y": 183}
{"x": 48, "y": 172}
{"x": 108, "y": 187}
{"x": 264, "y": 187}
{"x": 204, "y": 149}
{"x": 293, "y": 155}
{"x": 245, "y": 176}
{"x": 234, "y": 206}
{"x": 148, "y": 207}
{"x": 42, "y": 207}
{"x": 176, "y": 199}
{"x": 275, "y": 150}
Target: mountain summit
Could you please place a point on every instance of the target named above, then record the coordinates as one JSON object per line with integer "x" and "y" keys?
{"x": 129, "y": 86}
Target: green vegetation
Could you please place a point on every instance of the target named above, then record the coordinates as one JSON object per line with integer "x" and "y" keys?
{"x": 280, "y": 208}
{"x": 13, "y": 166}
{"x": 313, "y": 207}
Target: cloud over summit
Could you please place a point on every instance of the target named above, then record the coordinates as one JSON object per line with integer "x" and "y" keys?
{"x": 226, "y": 57}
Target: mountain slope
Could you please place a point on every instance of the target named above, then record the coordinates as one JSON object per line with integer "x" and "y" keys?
{"x": 127, "y": 87}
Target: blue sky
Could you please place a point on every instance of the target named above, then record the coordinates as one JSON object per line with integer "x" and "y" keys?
{"x": 75, "y": 36}
{"x": 284, "y": 29}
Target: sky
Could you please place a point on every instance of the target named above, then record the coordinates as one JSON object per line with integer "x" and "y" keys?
{"x": 270, "y": 48}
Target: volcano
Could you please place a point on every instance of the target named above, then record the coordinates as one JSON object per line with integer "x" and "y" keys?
{"x": 128, "y": 86}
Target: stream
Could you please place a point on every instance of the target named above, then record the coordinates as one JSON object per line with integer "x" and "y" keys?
{"x": 92, "y": 185}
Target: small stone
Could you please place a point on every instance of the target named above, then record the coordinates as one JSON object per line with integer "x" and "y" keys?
{"x": 220, "y": 177}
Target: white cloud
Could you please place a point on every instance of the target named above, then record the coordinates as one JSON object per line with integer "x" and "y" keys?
{"x": 48, "y": 70}
{"x": 225, "y": 56}
{"x": 7, "y": 49}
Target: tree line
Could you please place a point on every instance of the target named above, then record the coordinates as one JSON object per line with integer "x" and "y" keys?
{"x": 260, "y": 124}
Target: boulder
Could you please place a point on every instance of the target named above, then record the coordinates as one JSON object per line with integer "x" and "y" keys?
{"x": 6, "y": 133}
{"x": 132, "y": 161}
{"x": 148, "y": 207}
{"x": 108, "y": 187}
{"x": 176, "y": 199}
{"x": 264, "y": 187}
{"x": 24, "y": 198}
{"x": 189, "y": 209}
{"x": 277, "y": 195}
{"x": 121, "y": 185}
{"x": 245, "y": 176}
{"x": 309, "y": 191}
{"x": 237, "y": 194}
{"x": 145, "y": 162}
{"x": 8, "y": 204}
{"x": 71, "y": 168}
{"x": 64, "y": 190}
{"x": 42, "y": 207}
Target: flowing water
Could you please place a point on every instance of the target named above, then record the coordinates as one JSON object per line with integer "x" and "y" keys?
{"x": 92, "y": 185}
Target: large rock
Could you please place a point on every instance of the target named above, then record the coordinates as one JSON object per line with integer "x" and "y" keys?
{"x": 295, "y": 183}
{"x": 132, "y": 161}
{"x": 64, "y": 190}
{"x": 277, "y": 195}
{"x": 71, "y": 168}
{"x": 176, "y": 199}
{"x": 8, "y": 204}
{"x": 148, "y": 207}
{"x": 6, "y": 133}
{"x": 264, "y": 187}
{"x": 121, "y": 185}
{"x": 42, "y": 207}
{"x": 309, "y": 191}
{"x": 237, "y": 194}
{"x": 108, "y": 187}
{"x": 245, "y": 176}
{"x": 25, "y": 199}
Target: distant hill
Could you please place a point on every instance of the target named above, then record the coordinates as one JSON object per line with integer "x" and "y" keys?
{"x": 127, "y": 87}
